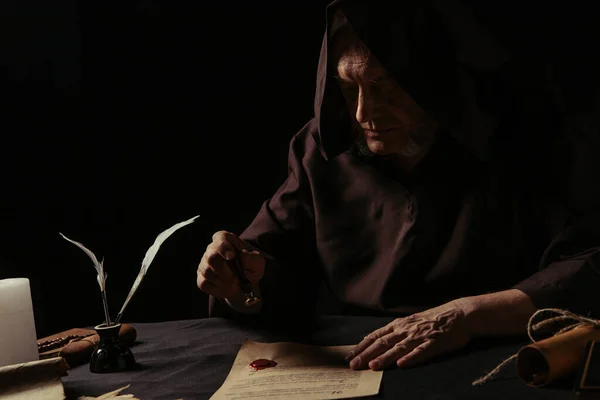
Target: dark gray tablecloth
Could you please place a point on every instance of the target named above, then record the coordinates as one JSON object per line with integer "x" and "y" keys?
{"x": 191, "y": 359}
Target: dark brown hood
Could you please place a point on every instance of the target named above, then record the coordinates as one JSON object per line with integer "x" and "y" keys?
{"x": 432, "y": 48}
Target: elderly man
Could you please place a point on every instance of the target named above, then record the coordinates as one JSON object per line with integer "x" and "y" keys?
{"x": 391, "y": 201}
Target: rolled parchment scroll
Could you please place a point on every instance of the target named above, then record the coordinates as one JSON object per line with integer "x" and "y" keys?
{"x": 558, "y": 356}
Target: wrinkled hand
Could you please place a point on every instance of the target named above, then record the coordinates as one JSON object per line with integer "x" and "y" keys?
{"x": 412, "y": 340}
{"x": 215, "y": 275}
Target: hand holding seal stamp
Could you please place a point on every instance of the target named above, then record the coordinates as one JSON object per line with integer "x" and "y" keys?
{"x": 229, "y": 265}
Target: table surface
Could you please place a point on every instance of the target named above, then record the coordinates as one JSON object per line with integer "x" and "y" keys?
{"x": 190, "y": 360}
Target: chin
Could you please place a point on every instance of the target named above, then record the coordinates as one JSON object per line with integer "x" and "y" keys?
{"x": 381, "y": 148}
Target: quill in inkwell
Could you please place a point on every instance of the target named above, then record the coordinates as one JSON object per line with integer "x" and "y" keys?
{"x": 122, "y": 358}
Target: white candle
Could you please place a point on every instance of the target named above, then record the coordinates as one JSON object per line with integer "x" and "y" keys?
{"x": 18, "y": 340}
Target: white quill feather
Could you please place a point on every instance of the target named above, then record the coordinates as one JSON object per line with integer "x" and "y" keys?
{"x": 100, "y": 277}
{"x": 99, "y": 265}
{"x": 148, "y": 258}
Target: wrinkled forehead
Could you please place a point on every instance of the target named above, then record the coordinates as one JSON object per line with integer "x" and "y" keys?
{"x": 369, "y": 29}
{"x": 349, "y": 52}
{"x": 354, "y": 65}
{"x": 350, "y": 42}
{"x": 348, "y": 49}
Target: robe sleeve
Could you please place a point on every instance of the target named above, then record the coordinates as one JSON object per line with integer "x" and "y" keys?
{"x": 569, "y": 275}
{"x": 284, "y": 230}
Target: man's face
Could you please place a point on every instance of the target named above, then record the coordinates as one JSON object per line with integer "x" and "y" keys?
{"x": 382, "y": 111}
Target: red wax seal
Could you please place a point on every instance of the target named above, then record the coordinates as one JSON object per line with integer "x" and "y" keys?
{"x": 262, "y": 363}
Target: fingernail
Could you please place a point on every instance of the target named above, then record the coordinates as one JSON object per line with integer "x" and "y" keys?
{"x": 229, "y": 255}
{"x": 349, "y": 357}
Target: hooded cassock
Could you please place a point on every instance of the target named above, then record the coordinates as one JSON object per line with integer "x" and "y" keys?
{"x": 494, "y": 205}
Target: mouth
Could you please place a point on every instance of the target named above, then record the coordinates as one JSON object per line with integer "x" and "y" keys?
{"x": 377, "y": 132}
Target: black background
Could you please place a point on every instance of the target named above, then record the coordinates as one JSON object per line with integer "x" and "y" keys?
{"x": 120, "y": 120}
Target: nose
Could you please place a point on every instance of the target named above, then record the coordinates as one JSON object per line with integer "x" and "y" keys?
{"x": 364, "y": 106}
